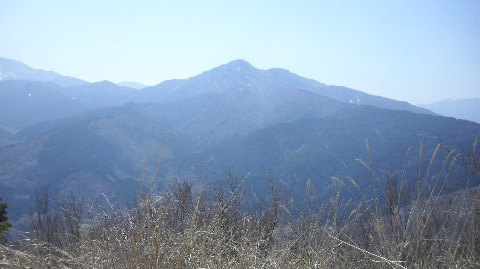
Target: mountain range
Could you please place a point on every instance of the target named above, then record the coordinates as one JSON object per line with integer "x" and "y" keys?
{"x": 14, "y": 70}
{"x": 467, "y": 109}
{"x": 99, "y": 140}
{"x": 38, "y": 89}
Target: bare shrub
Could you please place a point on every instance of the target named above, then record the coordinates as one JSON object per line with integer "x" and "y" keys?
{"x": 417, "y": 226}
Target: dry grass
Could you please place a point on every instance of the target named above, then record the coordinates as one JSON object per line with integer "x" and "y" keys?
{"x": 183, "y": 229}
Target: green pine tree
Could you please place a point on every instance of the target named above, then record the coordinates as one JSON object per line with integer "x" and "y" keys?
{"x": 4, "y": 224}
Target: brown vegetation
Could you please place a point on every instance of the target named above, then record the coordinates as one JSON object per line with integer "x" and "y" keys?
{"x": 418, "y": 226}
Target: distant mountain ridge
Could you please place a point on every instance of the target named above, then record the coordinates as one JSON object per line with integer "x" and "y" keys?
{"x": 14, "y": 70}
{"x": 72, "y": 96}
{"x": 24, "y": 103}
{"x": 466, "y": 109}
{"x": 131, "y": 84}
{"x": 11, "y": 69}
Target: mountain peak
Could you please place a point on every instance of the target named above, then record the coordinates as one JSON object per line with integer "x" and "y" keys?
{"x": 238, "y": 69}
{"x": 104, "y": 82}
{"x": 240, "y": 62}
{"x": 238, "y": 65}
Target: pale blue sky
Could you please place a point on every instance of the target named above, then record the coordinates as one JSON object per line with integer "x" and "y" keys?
{"x": 416, "y": 51}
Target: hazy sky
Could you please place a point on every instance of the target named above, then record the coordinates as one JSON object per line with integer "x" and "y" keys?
{"x": 417, "y": 51}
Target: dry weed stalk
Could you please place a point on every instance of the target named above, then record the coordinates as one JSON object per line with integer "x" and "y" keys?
{"x": 422, "y": 227}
